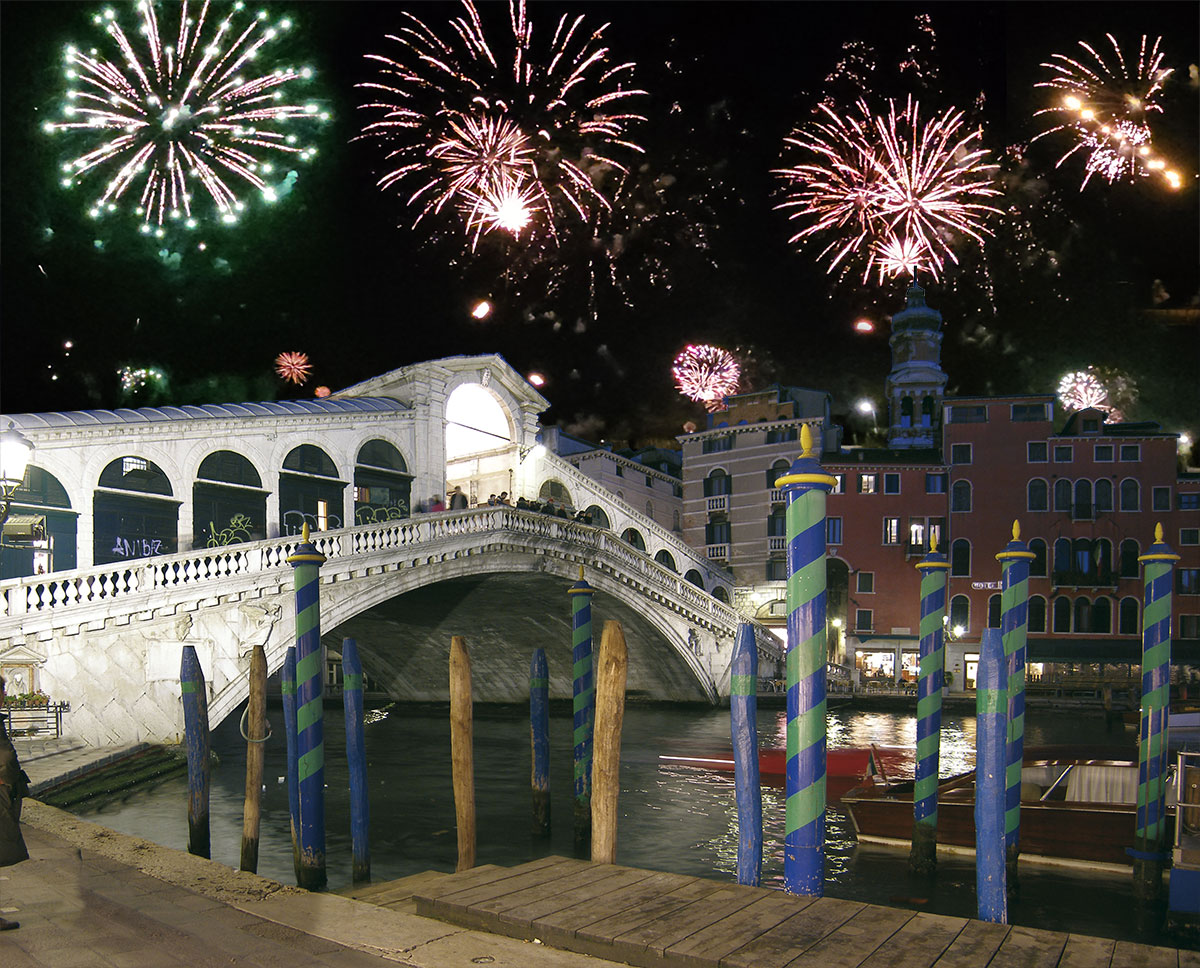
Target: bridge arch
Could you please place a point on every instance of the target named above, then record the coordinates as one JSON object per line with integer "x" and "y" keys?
{"x": 480, "y": 440}
{"x": 134, "y": 510}
{"x": 382, "y": 483}
{"x": 310, "y": 490}
{"x": 229, "y": 502}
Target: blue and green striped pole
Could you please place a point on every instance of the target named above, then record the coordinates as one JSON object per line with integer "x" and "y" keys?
{"x": 539, "y": 741}
{"x": 196, "y": 736}
{"x": 583, "y": 689}
{"x": 287, "y": 686}
{"x": 1014, "y": 621}
{"x": 310, "y": 727}
{"x": 1149, "y": 844}
{"x": 805, "y": 485}
{"x": 743, "y": 725}
{"x": 933, "y": 568}
{"x": 991, "y": 704}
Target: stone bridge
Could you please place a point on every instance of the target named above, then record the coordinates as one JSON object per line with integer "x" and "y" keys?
{"x": 108, "y": 638}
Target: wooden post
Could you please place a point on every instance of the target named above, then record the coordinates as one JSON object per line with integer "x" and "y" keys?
{"x": 287, "y": 686}
{"x": 195, "y": 729}
{"x": 611, "y": 671}
{"x": 991, "y": 711}
{"x": 256, "y": 738}
{"x": 539, "y": 741}
{"x": 743, "y": 719}
{"x": 356, "y": 760}
{"x": 462, "y": 755}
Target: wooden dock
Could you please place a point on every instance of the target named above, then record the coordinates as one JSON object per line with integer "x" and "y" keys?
{"x": 657, "y": 920}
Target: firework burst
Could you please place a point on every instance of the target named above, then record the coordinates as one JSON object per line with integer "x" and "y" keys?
{"x": 293, "y": 366}
{"x": 200, "y": 112}
{"x": 506, "y": 136}
{"x": 1104, "y": 106}
{"x": 893, "y": 190}
{"x": 706, "y": 374}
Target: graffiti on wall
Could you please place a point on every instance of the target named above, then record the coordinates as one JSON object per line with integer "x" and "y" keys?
{"x": 137, "y": 547}
{"x": 238, "y": 530}
{"x": 368, "y": 514}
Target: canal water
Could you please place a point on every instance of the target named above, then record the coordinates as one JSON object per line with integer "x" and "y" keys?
{"x": 672, "y": 818}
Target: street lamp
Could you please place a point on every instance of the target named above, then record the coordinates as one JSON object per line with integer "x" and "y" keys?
{"x": 865, "y": 406}
{"x": 15, "y": 450}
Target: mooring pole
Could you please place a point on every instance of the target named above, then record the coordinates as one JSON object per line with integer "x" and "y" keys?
{"x": 539, "y": 741}
{"x": 356, "y": 760}
{"x": 195, "y": 730}
{"x": 256, "y": 738}
{"x": 933, "y": 567}
{"x": 462, "y": 751}
{"x": 287, "y": 687}
{"x": 306, "y": 560}
{"x": 1150, "y": 850}
{"x": 743, "y": 718}
{"x": 1014, "y": 618}
{"x": 991, "y": 703}
{"x": 584, "y": 694}
{"x": 611, "y": 673}
{"x": 805, "y": 486}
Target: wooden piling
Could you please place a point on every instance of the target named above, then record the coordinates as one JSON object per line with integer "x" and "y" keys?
{"x": 611, "y": 672}
{"x": 539, "y": 742}
{"x": 462, "y": 756}
{"x": 195, "y": 728}
{"x": 256, "y": 738}
{"x": 356, "y": 760}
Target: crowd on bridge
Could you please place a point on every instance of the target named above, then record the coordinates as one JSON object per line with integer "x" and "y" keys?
{"x": 457, "y": 500}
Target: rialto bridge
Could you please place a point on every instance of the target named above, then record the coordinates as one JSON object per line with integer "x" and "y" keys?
{"x": 140, "y": 531}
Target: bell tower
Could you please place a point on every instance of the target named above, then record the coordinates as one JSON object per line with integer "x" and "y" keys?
{"x": 916, "y": 383}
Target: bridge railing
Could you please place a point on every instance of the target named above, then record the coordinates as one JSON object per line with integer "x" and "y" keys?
{"x": 72, "y": 597}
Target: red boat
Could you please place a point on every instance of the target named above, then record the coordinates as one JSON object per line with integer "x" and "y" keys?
{"x": 1076, "y": 807}
{"x": 845, "y": 768}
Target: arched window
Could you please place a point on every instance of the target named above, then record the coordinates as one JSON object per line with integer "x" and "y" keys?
{"x": 597, "y": 515}
{"x": 960, "y": 612}
{"x": 960, "y": 558}
{"x": 694, "y": 577}
{"x": 960, "y": 496}
{"x": 1062, "y": 554}
{"x": 650, "y": 510}
{"x": 1104, "y": 494}
{"x": 1037, "y": 614}
{"x": 1129, "y": 558}
{"x": 994, "y": 612}
{"x": 718, "y": 483}
{"x": 1130, "y": 495}
{"x": 1083, "y": 500}
{"x": 1062, "y": 495}
{"x": 776, "y": 471}
{"x": 309, "y": 491}
{"x": 382, "y": 484}
{"x": 665, "y": 559}
{"x": 927, "y": 411}
{"x": 1083, "y": 614}
{"x": 1036, "y": 495}
{"x": 552, "y": 490}
{"x": 135, "y": 474}
{"x": 1037, "y": 564}
{"x": 906, "y": 412}
{"x": 720, "y": 594}
{"x": 634, "y": 537}
{"x": 777, "y": 524}
{"x": 310, "y": 459}
{"x": 136, "y": 518}
{"x": 1062, "y": 614}
{"x": 226, "y": 467}
{"x": 1104, "y": 562}
{"x": 1130, "y": 616}
{"x": 1081, "y": 557}
{"x": 1102, "y": 615}
{"x": 40, "y": 535}
{"x": 229, "y": 504}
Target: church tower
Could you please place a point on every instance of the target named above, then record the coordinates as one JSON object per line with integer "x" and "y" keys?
{"x": 916, "y": 384}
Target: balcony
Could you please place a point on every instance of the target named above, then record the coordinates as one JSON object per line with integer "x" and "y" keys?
{"x": 777, "y": 495}
{"x": 718, "y": 552}
{"x": 1101, "y": 578}
{"x": 776, "y": 544}
{"x": 717, "y": 503}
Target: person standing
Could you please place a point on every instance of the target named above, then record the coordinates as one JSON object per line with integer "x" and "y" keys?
{"x": 14, "y": 785}
{"x": 458, "y": 500}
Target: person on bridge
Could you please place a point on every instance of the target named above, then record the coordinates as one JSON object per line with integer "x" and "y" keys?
{"x": 458, "y": 500}
{"x": 14, "y": 785}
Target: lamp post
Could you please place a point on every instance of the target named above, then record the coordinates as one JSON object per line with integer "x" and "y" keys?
{"x": 15, "y": 451}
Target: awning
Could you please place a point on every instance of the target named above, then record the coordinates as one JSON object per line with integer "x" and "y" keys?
{"x": 25, "y": 526}
{"x": 1183, "y": 651}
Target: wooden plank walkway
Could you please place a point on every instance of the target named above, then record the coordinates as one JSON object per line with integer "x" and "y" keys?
{"x": 657, "y": 920}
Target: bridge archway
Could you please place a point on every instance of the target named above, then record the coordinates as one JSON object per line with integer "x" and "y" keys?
{"x": 480, "y": 442}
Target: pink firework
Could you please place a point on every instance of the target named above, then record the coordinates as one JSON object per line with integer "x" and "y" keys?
{"x": 293, "y": 366}
{"x": 1082, "y": 389}
{"x": 706, "y": 374}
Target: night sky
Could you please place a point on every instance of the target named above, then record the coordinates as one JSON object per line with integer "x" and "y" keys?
{"x": 336, "y": 271}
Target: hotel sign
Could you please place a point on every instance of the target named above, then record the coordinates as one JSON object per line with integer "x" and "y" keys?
{"x": 982, "y": 585}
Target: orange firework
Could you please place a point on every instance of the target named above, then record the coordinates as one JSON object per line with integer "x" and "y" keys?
{"x": 293, "y": 366}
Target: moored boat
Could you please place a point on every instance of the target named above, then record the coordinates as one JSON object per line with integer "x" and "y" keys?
{"x": 1077, "y": 807}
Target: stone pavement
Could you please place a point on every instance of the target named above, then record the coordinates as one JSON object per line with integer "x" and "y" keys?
{"x": 51, "y": 761}
{"x": 91, "y": 897}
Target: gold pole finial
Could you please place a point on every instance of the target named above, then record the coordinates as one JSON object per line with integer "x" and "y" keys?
{"x": 581, "y": 572}
{"x": 304, "y": 533}
{"x": 933, "y": 543}
{"x": 1016, "y": 530}
{"x": 1158, "y": 534}
{"x": 806, "y": 441}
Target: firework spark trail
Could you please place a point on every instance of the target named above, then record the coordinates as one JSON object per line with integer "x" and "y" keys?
{"x": 181, "y": 114}
{"x": 894, "y": 189}
{"x": 706, "y": 374}
{"x": 1105, "y": 108}
{"x": 472, "y": 129}
{"x": 293, "y": 366}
